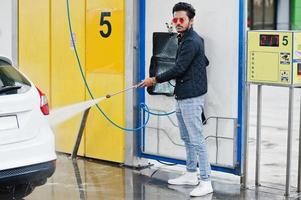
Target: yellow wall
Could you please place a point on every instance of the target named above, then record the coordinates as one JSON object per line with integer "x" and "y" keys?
{"x": 34, "y": 42}
{"x": 66, "y": 85}
{"x": 105, "y": 72}
{"x": 47, "y": 56}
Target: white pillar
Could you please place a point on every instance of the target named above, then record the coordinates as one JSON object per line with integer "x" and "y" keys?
{"x": 283, "y": 15}
{"x": 131, "y": 58}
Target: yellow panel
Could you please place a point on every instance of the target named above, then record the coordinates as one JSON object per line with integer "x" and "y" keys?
{"x": 105, "y": 72}
{"x": 105, "y": 54}
{"x": 67, "y": 85}
{"x": 103, "y": 140}
{"x": 270, "y": 64}
{"x": 297, "y": 58}
{"x": 264, "y": 66}
{"x": 34, "y": 44}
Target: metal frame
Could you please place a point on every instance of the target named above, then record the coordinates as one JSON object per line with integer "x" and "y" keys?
{"x": 132, "y": 78}
{"x": 234, "y": 164}
{"x": 215, "y": 136}
{"x": 80, "y": 133}
{"x": 244, "y": 175}
{"x": 299, "y": 156}
{"x": 258, "y": 139}
{"x": 258, "y": 135}
{"x": 141, "y": 69}
{"x": 241, "y": 89}
{"x": 289, "y": 142}
{"x": 129, "y": 80}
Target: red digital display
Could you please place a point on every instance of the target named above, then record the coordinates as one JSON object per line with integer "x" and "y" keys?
{"x": 269, "y": 40}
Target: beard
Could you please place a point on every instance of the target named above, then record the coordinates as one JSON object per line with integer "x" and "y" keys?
{"x": 180, "y": 29}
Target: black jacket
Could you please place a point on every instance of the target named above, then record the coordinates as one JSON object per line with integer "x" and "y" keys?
{"x": 190, "y": 67}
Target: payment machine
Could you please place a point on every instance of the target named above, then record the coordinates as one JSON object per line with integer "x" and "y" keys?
{"x": 274, "y": 57}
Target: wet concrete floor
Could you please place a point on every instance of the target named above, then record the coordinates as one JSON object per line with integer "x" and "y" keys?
{"x": 87, "y": 179}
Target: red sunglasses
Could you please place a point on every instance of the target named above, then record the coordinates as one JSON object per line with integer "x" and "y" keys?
{"x": 175, "y": 20}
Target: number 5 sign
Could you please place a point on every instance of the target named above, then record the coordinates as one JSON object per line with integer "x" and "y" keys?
{"x": 105, "y": 21}
{"x": 105, "y": 36}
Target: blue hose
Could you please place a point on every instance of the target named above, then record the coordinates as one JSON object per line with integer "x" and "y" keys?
{"x": 158, "y": 114}
{"x": 142, "y": 106}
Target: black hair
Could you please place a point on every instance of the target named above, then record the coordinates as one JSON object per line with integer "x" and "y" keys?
{"x": 182, "y": 6}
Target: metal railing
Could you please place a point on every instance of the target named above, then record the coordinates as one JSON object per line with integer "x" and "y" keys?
{"x": 212, "y": 133}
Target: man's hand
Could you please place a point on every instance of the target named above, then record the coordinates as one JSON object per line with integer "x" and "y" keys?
{"x": 148, "y": 82}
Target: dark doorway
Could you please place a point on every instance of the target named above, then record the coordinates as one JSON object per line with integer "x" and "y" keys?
{"x": 262, "y": 14}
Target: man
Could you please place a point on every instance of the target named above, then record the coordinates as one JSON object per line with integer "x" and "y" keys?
{"x": 191, "y": 85}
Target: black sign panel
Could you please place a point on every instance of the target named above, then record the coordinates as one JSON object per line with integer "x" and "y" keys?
{"x": 269, "y": 40}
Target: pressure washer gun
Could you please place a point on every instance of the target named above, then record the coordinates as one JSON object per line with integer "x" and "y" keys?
{"x": 121, "y": 91}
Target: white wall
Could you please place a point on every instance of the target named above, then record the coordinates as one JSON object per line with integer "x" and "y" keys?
{"x": 217, "y": 22}
{"x": 8, "y": 24}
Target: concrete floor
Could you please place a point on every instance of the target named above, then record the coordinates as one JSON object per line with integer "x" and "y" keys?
{"x": 91, "y": 179}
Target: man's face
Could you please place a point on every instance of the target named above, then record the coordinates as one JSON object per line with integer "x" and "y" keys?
{"x": 181, "y": 21}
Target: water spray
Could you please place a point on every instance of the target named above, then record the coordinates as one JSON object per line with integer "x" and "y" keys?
{"x": 62, "y": 114}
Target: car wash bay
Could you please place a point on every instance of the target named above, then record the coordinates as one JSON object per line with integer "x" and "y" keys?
{"x": 46, "y": 55}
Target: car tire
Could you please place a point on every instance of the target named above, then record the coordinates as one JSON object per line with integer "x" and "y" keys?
{"x": 16, "y": 192}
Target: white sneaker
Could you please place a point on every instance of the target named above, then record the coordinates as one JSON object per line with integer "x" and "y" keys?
{"x": 189, "y": 178}
{"x": 204, "y": 188}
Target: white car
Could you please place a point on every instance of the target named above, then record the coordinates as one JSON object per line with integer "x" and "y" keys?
{"x": 27, "y": 149}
